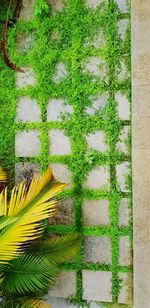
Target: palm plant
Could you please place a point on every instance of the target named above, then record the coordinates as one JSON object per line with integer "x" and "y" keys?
{"x": 28, "y": 260}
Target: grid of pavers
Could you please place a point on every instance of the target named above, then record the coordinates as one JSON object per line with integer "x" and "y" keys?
{"x": 105, "y": 260}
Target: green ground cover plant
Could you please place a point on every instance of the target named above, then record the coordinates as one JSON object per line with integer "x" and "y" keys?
{"x": 74, "y": 25}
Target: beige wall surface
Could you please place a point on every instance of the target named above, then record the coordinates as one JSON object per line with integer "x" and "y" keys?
{"x": 141, "y": 150}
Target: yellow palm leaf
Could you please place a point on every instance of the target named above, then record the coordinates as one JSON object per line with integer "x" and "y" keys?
{"x": 35, "y": 303}
{"x": 28, "y": 207}
{"x": 3, "y": 176}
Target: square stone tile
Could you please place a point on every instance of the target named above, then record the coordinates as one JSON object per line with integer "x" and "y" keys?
{"x": 96, "y": 66}
{"x": 27, "y": 143}
{"x": 57, "y": 5}
{"x": 95, "y": 305}
{"x": 59, "y": 143}
{"x": 122, "y": 27}
{"x": 62, "y": 173}
{"x": 123, "y": 73}
{"x": 122, "y": 4}
{"x": 60, "y": 72}
{"x": 27, "y": 110}
{"x": 97, "y": 104}
{"x": 96, "y": 141}
{"x": 124, "y": 212}
{"x": 123, "y": 106}
{"x": 60, "y": 303}
{"x": 25, "y": 78}
{"x": 65, "y": 285}
{"x": 125, "y": 258}
{"x": 123, "y": 138}
{"x": 97, "y": 249}
{"x": 92, "y": 4}
{"x": 25, "y": 171}
{"x": 122, "y": 170}
{"x": 56, "y": 107}
{"x": 98, "y": 178}
{"x": 125, "y": 296}
{"x": 63, "y": 215}
{"x": 97, "y": 286}
{"x": 96, "y": 212}
{"x": 97, "y": 42}
{"x": 24, "y": 42}
{"x": 27, "y": 11}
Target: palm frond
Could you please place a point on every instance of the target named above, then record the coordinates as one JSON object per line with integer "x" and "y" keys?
{"x": 27, "y": 275}
{"x": 23, "y": 302}
{"x": 35, "y": 303}
{"x": 58, "y": 249}
{"x": 3, "y": 176}
{"x": 29, "y": 207}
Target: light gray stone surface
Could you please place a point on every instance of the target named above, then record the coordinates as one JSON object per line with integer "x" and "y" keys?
{"x": 63, "y": 215}
{"x": 123, "y": 106}
{"x": 27, "y": 143}
{"x": 97, "y": 249}
{"x": 24, "y": 42}
{"x": 25, "y": 171}
{"x": 97, "y": 104}
{"x": 56, "y": 108}
{"x": 122, "y": 170}
{"x": 57, "y": 6}
{"x": 124, "y": 251}
{"x": 93, "y": 3}
{"x": 124, "y": 212}
{"x": 125, "y": 296}
{"x": 122, "y": 24}
{"x": 123, "y": 72}
{"x": 96, "y": 66}
{"x": 60, "y": 72}
{"x": 27, "y": 10}
{"x": 61, "y": 173}
{"x": 122, "y": 4}
{"x": 65, "y": 285}
{"x": 98, "y": 178}
{"x": 123, "y": 137}
{"x": 59, "y": 143}
{"x": 96, "y": 141}
{"x": 27, "y": 110}
{"x": 97, "y": 42}
{"x": 97, "y": 286}
{"x": 25, "y": 78}
{"x": 96, "y": 212}
{"x": 60, "y": 303}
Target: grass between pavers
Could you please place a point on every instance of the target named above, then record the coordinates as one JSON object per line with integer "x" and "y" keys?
{"x": 73, "y": 25}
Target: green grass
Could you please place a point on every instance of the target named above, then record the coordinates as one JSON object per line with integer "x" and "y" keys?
{"x": 74, "y": 25}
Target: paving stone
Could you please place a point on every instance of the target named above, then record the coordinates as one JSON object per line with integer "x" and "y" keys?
{"x": 97, "y": 42}
{"x": 96, "y": 66}
{"x": 97, "y": 286}
{"x": 27, "y": 110}
{"x": 27, "y": 143}
{"x": 57, "y": 5}
{"x": 98, "y": 178}
{"x": 96, "y": 212}
{"x": 57, "y": 107}
{"x": 124, "y": 212}
{"x": 25, "y": 171}
{"x": 123, "y": 106}
{"x": 122, "y": 4}
{"x": 97, "y": 104}
{"x": 122, "y": 144}
{"x": 93, "y": 3}
{"x": 96, "y": 141}
{"x": 24, "y": 42}
{"x": 122, "y": 170}
{"x": 97, "y": 249}
{"x": 65, "y": 285}
{"x": 60, "y": 72}
{"x": 122, "y": 27}
{"x": 27, "y": 11}
{"x": 123, "y": 72}
{"x": 124, "y": 251}
{"x": 95, "y": 305}
{"x": 60, "y": 303}
{"x": 59, "y": 143}
{"x": 64, "y": 213}
{"x": 62, "y": 173}
{"x": 25, "y": 78}
{"x": 125, "y": 296}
